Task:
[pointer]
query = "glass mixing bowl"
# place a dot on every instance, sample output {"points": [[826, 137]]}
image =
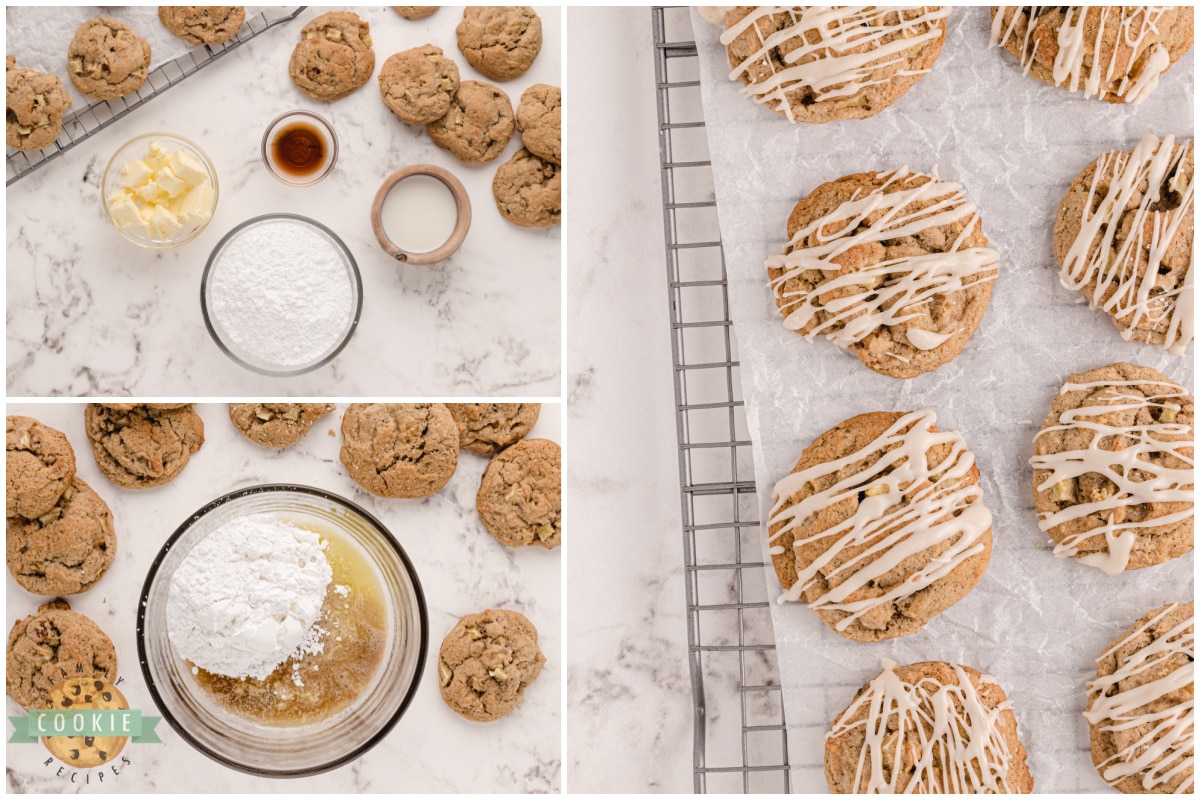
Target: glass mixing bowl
{"points": [[287, 751]]}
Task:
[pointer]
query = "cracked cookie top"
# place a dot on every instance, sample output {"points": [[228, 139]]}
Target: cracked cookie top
{"points": [[39, 466], [203, 24], [520, 496], [67, 549], [51, 646], [35, 105], [140, 446], [881, 525], [106, 59], [333, 57], [276, 424], [500, 41], [400, 449], [539, 119], [528, 191], [486, 662], [485, 428], [478, 125], [418, 85]]}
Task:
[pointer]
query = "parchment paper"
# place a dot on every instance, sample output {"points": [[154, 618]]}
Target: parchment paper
{"points": [[1035, 622], [38, 37]]}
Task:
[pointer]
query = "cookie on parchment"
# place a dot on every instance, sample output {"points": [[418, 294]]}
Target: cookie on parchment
{"points": [[142, 446], [500, 41], [276, 424], [106, 59], [1090, 500], [198, 25], [415, 12], [478, 125], [1116, 53], [1140, 706], [35, 104], [866, 267], [925, 728], [486, 662], [539, 119], [1124, 235], [881, 525], [400, 449], [51, 646], [418, 85], [67, 549], [334, 56], [528, 191], [520, 496], [86, 751], [485, 428], [821, 63], [39, 465]]}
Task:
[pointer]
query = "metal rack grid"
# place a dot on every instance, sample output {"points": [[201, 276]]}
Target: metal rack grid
{"points": [[79, 125], [730, 639]]}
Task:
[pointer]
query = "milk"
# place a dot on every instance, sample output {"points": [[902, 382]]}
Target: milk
{"points": [[419, 213]]}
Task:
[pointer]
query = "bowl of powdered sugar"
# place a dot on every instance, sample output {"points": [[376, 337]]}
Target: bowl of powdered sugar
{"points": [[281, 294], [282, 630]]}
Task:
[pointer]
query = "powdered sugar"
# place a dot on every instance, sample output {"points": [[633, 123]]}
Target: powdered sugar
{"points": [[280, 295], [248, 597]]}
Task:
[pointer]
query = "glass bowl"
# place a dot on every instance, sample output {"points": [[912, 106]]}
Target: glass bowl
{"points": [[135, 149], [286, 751], [315, 123], [244, 356]]}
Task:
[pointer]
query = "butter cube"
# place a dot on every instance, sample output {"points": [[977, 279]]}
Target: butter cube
{"points": [[148, 191], [158, 154], [171, 183], [188, 168], [124, 210], [135, 173], [197, 205], [162, 222]]}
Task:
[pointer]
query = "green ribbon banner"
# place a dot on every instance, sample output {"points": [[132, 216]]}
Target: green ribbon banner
{"points": [[85, 722]]}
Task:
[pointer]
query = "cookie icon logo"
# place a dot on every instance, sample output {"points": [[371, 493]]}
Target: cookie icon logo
{"points": [[84, 750]]}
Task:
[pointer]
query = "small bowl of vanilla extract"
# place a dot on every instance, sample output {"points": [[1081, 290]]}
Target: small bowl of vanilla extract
{"points": [[299, 148]]}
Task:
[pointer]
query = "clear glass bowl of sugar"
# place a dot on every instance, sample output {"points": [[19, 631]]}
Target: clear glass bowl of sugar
{"points": [[191, 702], [281, 294]]}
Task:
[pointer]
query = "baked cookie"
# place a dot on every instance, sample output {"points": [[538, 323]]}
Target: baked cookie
{"points": [[415, 12], [67, 549], [85, 752], [881, 525], [1140, 707], [539, 119], [528, 191], [892, 266], [927, 728], [500, 41], [334, 56], [1116, 53], [520, 496], [478, 125], [39, 465], [400, 449], [51, 646], [485, 428], [276, 424], [1091, 500], [106, 59], [141, 447], [131, 406], [418, 85], [1123, 239], [486, 662], [821, 64], [203, 24], [35, 106]]}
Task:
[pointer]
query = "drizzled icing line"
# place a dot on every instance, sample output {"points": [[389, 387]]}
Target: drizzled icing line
{"points": [[1160, 484], [959, 747], [1070, 69], [1167, 750], [944, 506], [830, 68], [892, 291], [1120, 289]]}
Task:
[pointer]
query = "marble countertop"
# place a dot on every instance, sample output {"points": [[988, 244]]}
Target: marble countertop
{"points": [[90, 314], [629, 705], [462, 568]]}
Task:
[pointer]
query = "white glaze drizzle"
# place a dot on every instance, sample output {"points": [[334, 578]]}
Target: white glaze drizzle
{"points": [[959, 747], [903, 283], [829, 69], [1168, 748], [1069, 69], [890, 532], [1160, 485], [1092, 256]]}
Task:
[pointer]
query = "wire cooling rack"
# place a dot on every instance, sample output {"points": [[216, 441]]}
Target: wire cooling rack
{"points": [[79, 125], [740, 739]]}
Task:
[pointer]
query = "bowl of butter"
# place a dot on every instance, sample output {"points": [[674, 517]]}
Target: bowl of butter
{"points": [[160, 190]]}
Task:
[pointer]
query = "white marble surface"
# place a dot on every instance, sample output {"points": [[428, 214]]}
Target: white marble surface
{"points": [[629, 703], [462, 568], [89, 314]]}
